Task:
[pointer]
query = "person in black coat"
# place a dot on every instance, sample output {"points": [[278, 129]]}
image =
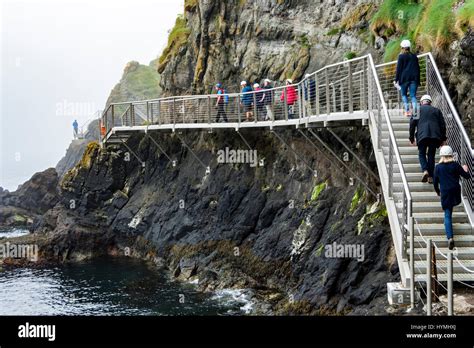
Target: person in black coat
{"points": [[429, 128], [446, 184], [407, 76], [310, 93]]}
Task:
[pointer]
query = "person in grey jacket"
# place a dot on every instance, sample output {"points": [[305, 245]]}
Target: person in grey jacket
{"points": [[429, 129]]}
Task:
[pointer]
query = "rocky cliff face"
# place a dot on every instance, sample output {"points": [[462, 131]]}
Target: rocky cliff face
{"points": [[252, 40], [270, 228], [234, 40], [32, 199]]}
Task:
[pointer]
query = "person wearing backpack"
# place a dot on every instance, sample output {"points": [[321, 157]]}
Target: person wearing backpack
{"points": [[260, 98], [289, 94], [268, 99], [247, 100], [220, 103], [446, 184], [309, 93]]}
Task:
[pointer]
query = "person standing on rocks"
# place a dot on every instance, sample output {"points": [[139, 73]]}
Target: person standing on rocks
{"points": [[220, 103], [247, 100], [408, 77], [430, 132], [446, 184], [75, 127], [268, 99], [290, 96]]}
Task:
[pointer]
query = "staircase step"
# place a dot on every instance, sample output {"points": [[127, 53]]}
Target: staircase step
{"points": [[408, 158], [400, 142], [415, 187], [397, 126], [442, 267], [463, 277], [462, 253], [426, 229], [431, 207], [438, 218]]}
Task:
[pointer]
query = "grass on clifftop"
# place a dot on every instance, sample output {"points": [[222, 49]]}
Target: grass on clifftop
{"points": [[432, 24], [176, 38]]}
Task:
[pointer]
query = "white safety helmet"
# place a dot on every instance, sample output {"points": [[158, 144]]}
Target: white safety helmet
{"points": [[290, 81], [267, 81], [243, 83], [426, 97], [307, 75], [446, 150], [256, 85], [405, 44]]}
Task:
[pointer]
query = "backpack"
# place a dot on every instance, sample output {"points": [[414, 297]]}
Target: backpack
{"points": [[225, 95]]}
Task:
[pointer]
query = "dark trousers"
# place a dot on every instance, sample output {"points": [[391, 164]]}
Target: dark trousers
{"points": [[426, 154], [221, 112]]}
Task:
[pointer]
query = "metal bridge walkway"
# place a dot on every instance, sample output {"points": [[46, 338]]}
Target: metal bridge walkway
{"points": [[351, 91]]}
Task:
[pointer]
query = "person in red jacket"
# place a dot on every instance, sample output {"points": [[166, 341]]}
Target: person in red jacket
{"points": [[289, 93]]}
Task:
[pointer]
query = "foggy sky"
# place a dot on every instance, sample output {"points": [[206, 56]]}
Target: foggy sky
{"points": [[59, 61]]}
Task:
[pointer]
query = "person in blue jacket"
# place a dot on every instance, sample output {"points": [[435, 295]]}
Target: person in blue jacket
{"points": [[247, 100], [408, 76], [446, 184], [75, 127]]}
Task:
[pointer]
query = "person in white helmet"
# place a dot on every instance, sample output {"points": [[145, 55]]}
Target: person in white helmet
{"points": [[429, 129], [446, 184], [408, 76], [259, 98]]}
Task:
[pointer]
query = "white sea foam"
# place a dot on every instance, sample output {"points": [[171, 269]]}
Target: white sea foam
{"points": [[14, 233], [242, 297]]}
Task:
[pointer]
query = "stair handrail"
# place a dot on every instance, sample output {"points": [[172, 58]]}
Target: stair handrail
{"points": [[408, 222]]}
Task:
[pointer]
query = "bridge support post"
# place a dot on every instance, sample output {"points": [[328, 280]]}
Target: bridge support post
{"points": [[354, 154], [342, 162], [328, 96], [133, 153], [450, 284], [350, 87], [159, 147], [207, 168], [315, 173]]}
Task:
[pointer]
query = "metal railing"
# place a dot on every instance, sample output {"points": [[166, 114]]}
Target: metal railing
{"points": [[432, 83], [399, 193], [336, 88]]}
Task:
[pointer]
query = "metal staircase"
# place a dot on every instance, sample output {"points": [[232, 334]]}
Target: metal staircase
{"points": [[351, 91]]}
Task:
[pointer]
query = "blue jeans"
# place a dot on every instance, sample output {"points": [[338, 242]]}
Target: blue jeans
{"points": [[448, 222], [427, 164], [412, 87]]}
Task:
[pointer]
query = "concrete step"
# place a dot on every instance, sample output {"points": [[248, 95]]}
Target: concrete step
{"points": [[409, 168], [442, 267], [396, 118], [411, 176], [427, 229], [399, 134], [438, 218], [400, 142], [408, 158], [463, 277], [415, 187], [430, 207], [461, 240], [462, 253], [423, 197], [397, 126]]}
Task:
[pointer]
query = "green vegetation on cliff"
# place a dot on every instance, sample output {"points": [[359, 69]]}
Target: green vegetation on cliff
{"points": [[432, 25], [138, 82], [177, 37]]}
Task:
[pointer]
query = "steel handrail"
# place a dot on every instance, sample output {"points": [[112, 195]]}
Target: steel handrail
{"points": [[445, 92]]}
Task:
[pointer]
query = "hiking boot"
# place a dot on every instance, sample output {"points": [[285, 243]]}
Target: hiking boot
{"points": [[425, 176], [450, 244], [430, 180]]}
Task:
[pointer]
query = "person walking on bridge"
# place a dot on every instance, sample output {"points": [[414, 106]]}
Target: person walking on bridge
{"points": [[220, 103], [309, 93], [446, 184], [268, 99], [75, 127], [290, 96], [260, 99], [408, 77], [429, 128], [247, 100]]}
